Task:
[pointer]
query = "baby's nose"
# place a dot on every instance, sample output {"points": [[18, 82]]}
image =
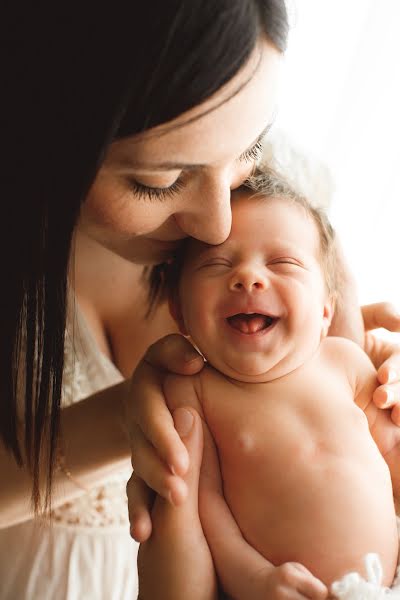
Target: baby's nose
{"points": [[248, 281]]}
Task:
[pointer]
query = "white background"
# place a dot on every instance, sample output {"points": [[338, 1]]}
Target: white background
{"points": [[341, 100]]}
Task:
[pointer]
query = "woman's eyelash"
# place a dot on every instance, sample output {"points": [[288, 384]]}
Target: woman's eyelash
{"points": [[153, 193], [253, 153]]}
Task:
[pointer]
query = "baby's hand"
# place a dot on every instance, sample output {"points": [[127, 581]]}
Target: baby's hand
{"points": [[289, 581]]}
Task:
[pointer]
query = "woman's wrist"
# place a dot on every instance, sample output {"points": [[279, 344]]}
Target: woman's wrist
{"points": [[95, 440]]}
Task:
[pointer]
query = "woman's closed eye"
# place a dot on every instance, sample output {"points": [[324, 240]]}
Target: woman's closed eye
{"points": [[146, 192]]}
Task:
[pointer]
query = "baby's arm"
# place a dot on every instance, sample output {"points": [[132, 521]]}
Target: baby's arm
{"points": [[242, 571], [385, 433]]}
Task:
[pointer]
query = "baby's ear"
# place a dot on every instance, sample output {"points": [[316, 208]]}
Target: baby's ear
{"points": [[327, 316], [174, 306]]}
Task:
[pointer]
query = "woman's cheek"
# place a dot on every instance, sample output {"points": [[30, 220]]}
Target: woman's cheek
{"points": [[122, 213]]}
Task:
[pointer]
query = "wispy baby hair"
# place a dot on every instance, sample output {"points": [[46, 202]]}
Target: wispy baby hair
{"points": [[270, 184]]}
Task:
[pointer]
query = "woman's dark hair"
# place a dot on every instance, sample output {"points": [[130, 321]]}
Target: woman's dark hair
{"points": [[77, 77]]}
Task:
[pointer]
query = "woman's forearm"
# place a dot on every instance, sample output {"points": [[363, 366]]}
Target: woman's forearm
{"points": [[175, 563], [94, 443]]}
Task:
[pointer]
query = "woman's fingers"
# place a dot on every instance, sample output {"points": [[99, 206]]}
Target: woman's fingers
{"points": [[159, 457], [381, 314], [140, 499], [189, 426], [149, 467], [387, 395], [395, 415], [147, 407], [175, 354], [150, 414]]}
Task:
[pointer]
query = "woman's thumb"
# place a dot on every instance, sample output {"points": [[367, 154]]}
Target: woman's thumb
{"points": [[189, 427]]}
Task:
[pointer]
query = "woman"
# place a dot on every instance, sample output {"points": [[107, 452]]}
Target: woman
{"points": [[126, 129]]}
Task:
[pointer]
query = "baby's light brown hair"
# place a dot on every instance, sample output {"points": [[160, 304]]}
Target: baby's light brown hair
{"points": [[268, 184]]}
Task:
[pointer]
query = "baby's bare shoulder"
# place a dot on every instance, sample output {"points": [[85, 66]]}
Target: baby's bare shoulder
{"points": [[341, 350], [347, 356]]}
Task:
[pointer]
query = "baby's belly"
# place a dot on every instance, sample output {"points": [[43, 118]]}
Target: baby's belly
{"points": [[321, 508]]}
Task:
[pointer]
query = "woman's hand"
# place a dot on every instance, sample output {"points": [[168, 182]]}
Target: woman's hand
{"points": [[385, 355], [175, 563], [160, 458]]}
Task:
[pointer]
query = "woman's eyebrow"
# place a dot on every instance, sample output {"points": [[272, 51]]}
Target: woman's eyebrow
{"points": [[174, 166]]}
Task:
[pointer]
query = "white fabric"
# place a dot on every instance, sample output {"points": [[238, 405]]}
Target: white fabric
{"points": [[87, 552], [354, 587]]}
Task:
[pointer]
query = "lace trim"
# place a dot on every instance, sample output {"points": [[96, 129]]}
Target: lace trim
{"points": [[86, 371], [103, 506]]}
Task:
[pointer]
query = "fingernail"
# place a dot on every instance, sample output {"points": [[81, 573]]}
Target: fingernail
{"points": [[183, 420], [191, 356], [179, 494], [392, 376], [389, 398]]}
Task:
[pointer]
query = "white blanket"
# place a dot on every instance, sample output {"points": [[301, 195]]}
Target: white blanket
{"points": [[355, 587]]}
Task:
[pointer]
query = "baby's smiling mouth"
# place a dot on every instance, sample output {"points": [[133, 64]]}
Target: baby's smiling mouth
{"points": [[251, 323]]}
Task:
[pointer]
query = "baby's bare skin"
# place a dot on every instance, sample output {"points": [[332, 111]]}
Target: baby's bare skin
{"points": [[302, 475], [308, 464]]}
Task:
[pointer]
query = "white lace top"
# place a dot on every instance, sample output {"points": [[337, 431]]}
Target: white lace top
{"points": [[86, 553], [87, 370]]}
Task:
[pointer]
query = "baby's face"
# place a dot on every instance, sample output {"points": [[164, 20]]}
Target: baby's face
{"points": [[256, 305]]}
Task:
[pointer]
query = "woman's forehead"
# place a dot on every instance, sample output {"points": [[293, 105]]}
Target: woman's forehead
{"points": [[218, 133]]}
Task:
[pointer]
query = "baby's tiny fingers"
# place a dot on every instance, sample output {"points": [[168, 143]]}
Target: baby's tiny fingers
{"points": [[308, 585], [313, 588]]}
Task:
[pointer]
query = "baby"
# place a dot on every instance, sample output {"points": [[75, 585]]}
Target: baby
{"points": [[307, 461]]}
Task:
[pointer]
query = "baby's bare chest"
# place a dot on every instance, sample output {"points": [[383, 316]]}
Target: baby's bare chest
{"points": [[278, 423]]}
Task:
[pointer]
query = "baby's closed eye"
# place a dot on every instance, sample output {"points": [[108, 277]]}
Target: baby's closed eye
{"points": [[216, 263], [285, 265]]}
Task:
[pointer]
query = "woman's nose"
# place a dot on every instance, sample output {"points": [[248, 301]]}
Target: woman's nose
{"points": [[249, 279], [207, 215]]}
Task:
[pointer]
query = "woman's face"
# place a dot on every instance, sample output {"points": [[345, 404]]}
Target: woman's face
{"points": [[176, 179]]}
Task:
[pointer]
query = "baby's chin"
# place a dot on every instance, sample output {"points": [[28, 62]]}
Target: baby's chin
{"points": [[248, 370]]}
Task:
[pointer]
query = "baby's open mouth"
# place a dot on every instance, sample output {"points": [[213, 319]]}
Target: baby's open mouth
{"points": [[250, 323]]}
